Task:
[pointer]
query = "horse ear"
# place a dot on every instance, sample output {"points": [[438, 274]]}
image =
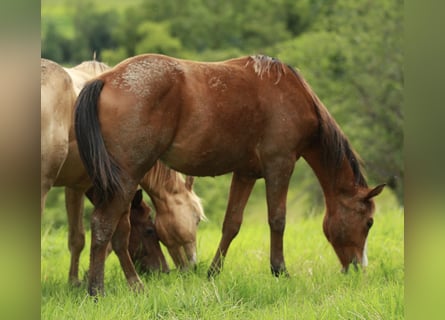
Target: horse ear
{"points": [[137, 199], [375, 192], [189, 182]]}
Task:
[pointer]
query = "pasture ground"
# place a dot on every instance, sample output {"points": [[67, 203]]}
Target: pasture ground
{"points": [[245, 289]]}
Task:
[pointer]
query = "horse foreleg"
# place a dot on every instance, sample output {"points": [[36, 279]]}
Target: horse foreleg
{"points": [[240, 190], [277, 184], [76, 232], [120, 242]]}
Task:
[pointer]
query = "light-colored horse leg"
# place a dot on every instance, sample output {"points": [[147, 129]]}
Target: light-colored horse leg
{"points": [[44, 189], [74, 200], [240, 190], [50, 168]]}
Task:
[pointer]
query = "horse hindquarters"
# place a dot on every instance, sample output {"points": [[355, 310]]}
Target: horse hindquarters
{"points": [[110, 219]]}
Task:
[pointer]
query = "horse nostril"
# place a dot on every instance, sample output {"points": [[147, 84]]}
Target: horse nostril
{"points": [[370, 223], [149, 231]]}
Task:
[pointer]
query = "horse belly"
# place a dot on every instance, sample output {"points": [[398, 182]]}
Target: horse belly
{"points": [[212, 160], [73, 174]]}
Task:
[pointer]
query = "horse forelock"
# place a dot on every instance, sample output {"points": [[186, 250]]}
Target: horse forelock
{"points": [[264, 64], [335, 145]]}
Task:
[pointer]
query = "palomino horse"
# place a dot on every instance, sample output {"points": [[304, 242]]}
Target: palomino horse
{"points": [[253, 116], [173, 197], [56, 100]]}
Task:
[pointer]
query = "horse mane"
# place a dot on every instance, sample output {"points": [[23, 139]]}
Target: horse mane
{"points": [[160, 174], [265, 64], [92, 67], [170, 179], [335, 145]]}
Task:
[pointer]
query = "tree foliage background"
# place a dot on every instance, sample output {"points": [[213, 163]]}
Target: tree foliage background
{"points": [[350, 51]]}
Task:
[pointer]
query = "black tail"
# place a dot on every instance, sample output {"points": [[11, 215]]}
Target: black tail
{"points": [[102, 169]]}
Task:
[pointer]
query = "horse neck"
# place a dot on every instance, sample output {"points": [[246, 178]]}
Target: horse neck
{"points": [[334, 182]]}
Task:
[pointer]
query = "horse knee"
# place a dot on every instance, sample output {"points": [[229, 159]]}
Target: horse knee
{"points": [[231, 229], [277, 224], [77, 241]]}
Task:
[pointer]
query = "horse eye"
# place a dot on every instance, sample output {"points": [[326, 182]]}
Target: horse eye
{"points": [[149, 231], [370, 223]]}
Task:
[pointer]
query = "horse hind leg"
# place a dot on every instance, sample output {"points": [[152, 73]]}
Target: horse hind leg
{"points": [[240, 190], [107, 225], [76, 233]]}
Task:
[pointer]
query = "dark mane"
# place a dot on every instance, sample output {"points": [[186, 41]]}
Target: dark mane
{"points": [[334, 144]]}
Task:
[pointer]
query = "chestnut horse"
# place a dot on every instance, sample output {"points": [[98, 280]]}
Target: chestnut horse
{"points": [[175, 202], [253, 116], [178, 209]]}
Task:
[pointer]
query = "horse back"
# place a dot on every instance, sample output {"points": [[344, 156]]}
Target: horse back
{"points": [[192, 113]]}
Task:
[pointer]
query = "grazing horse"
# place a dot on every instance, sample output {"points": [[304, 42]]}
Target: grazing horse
{"points": [[253, 116], [172, 196], [143, 246]]}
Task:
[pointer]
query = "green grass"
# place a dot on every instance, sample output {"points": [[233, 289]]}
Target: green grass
{"points": [[245, 289]]}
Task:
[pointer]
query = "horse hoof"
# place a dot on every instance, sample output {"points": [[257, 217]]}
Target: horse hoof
{"points": [[95, 292], [212, 273], [279, 272]]}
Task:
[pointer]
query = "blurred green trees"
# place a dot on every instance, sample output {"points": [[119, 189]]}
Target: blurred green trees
{"points": [[349, 51]]}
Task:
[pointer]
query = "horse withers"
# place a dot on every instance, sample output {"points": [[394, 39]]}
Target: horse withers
{"points": [[254, 116]]}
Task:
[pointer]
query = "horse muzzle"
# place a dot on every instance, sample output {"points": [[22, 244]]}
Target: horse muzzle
{"points": [[358, 258]]}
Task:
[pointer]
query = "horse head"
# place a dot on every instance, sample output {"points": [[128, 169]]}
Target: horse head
{"points": [[346, 225]]}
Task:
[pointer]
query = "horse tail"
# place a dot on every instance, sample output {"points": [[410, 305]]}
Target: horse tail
{"points": [[102, 169]]}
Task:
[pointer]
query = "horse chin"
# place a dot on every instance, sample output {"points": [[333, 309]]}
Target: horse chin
{"points": [[355, 262]]}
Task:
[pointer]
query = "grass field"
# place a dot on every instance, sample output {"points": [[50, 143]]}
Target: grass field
{"points": [[245, 289]]}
